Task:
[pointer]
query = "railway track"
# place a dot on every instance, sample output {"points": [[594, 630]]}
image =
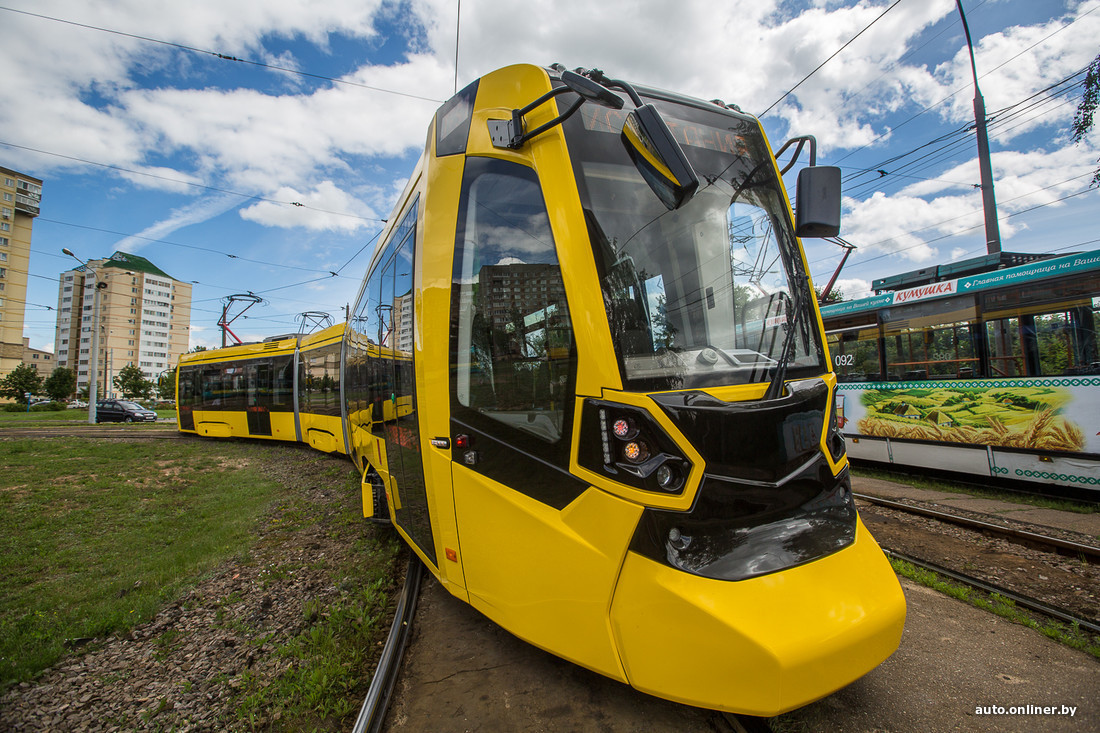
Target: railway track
{"points": [[1020, 600], [1021, 536], [374, 708], [373, 711], [1018, 535]]}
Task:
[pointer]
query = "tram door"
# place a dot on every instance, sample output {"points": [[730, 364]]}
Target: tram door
{"points": [[404, 459], [258, 406]]}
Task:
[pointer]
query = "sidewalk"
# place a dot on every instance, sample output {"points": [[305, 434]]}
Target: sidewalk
{"points": [[1088, 524]]}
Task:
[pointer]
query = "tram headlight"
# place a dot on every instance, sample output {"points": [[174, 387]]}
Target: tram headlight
{"points": [[668, 478], [627, 444]]}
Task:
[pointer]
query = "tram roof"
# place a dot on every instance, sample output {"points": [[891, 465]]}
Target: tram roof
{"points": [[1073, 264], [972, 266]]}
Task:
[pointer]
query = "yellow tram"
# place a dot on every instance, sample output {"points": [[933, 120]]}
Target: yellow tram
{"points": [[585, 379]]}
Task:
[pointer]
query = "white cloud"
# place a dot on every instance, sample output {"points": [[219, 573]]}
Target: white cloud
{"points": [[184, 216], [326, 207], [901, 225], [853, 288]]}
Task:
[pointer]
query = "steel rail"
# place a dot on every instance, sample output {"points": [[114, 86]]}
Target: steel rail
{"points": [[1022, 601], [1076, 548], [373, 711]]}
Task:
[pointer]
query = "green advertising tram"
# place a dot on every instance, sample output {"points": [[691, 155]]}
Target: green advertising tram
{"points": [[984, 368]]}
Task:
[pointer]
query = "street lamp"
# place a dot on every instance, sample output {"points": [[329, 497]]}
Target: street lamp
{"points": [[989, 201], [93, 367]]}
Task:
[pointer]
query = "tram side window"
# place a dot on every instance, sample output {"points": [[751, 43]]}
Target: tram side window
{"points": [[512, 345], [1045, 344], [855, 354], [321, 383], [945, 351], [283, 390], [937, 339], [188, 381]]}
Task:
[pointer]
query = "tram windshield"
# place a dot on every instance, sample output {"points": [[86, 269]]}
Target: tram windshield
{"points": [[706, 294]]}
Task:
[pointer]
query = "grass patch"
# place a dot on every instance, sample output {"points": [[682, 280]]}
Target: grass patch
{"points": [[329, 661], [328, 665], [1069, 634], [921, 482], [95, 536]]}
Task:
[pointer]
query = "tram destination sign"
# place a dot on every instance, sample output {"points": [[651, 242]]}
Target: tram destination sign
{"points": [[1057, 267]]}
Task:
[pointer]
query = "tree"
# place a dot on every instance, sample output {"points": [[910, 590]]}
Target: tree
{"points": [[132, 383], [1086, 109], [60, 384], [834, 296], [19, 382]]}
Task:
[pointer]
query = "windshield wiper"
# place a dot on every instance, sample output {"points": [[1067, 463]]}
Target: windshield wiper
{"points": [[775, 387]]}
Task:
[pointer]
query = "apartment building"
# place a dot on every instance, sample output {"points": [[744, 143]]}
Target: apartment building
{"points": [[144, 319], [20, 198]]}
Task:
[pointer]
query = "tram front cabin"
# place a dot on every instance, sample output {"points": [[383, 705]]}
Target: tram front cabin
{"points": [[586, 370]]}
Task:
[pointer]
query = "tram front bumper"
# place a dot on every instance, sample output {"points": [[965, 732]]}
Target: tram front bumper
{"points": [[760, 646]]}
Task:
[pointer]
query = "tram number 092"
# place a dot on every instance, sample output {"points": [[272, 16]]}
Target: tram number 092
{"points": [[842, 360]]}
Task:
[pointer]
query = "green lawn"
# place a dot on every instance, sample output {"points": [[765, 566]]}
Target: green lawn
{"points": [[95, 536]]}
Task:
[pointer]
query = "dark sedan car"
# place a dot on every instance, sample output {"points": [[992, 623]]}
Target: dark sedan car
{"points": [[122, 411]]}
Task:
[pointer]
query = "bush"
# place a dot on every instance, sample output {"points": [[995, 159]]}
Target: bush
{"points": [[48, 407], [15, 407]]}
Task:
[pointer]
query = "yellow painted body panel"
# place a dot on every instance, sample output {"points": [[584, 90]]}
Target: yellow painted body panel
{"points": [[243, 351], [442, 180], [759, 646], [234, 424], [546, 576], [325, 441]]}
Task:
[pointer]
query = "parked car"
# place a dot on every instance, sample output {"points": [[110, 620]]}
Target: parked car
{"points": [[77, 404], [122, 411]]}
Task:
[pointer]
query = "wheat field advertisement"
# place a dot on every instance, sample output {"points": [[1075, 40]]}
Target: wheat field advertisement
{"points": [[1046, 414]]}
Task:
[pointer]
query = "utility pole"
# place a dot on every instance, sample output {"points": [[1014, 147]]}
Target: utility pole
{"points": [[989, 202], [93, 356]]}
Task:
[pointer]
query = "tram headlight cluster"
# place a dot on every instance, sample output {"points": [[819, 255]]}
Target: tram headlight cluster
{"points": [[634, 449]]}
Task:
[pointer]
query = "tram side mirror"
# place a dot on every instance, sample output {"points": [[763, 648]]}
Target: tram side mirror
{"points": [[591, 91], [658, 157], [817, 202]]}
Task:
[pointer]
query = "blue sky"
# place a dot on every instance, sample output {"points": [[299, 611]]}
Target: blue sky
{"points": [[149, 143]]}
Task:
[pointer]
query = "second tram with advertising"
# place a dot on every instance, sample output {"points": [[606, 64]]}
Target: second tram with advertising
{"points": [[586, 381], [984, 368]]}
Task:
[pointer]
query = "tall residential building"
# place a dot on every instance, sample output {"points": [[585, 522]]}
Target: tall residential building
{"points": [[144, 319], [20, 197]]}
